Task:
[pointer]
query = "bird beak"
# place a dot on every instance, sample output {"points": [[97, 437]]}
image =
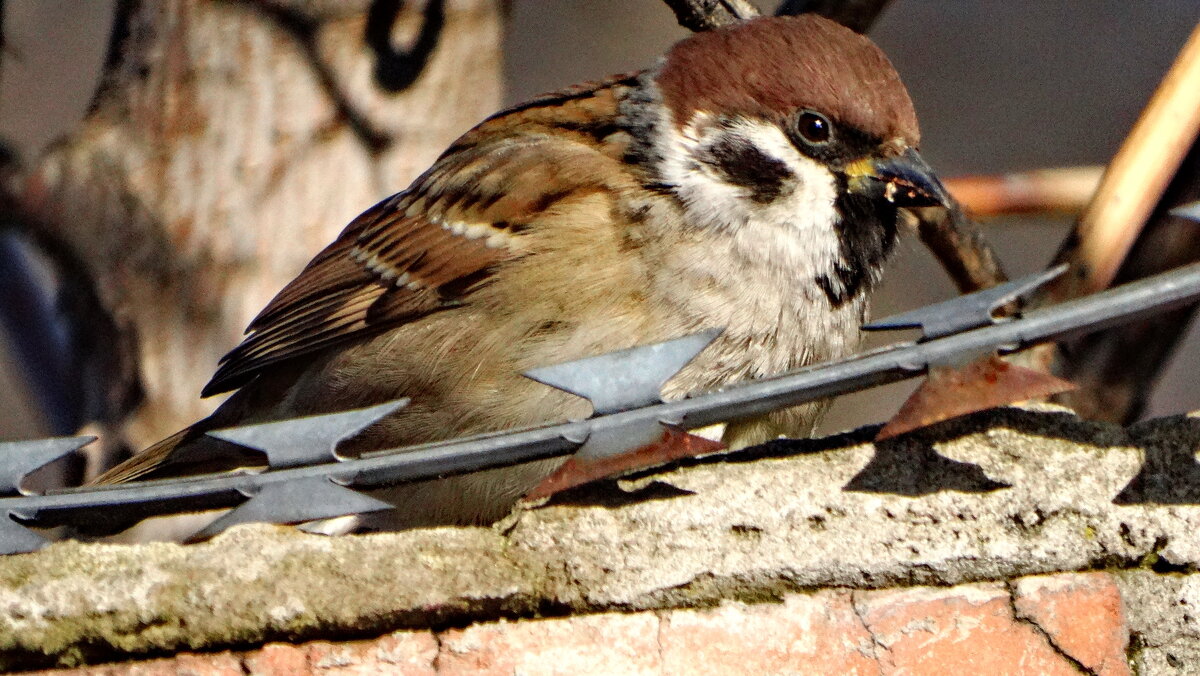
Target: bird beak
{"points": [[904, 180]]}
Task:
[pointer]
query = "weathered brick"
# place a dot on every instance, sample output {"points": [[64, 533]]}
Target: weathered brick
{"points": [[1052, 624], [1082, 614], [183, 664], [592, 644], [403, 653], [278, 659], [960, 630], [807, 633]]}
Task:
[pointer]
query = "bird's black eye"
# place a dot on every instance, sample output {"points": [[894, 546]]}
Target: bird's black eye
{"points": [[814, 127]]}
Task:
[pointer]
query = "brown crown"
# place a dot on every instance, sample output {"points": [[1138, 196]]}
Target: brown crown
{"points": [[769, 67]]}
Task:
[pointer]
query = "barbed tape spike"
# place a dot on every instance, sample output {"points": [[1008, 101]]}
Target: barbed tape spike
{"points": [[625, 379], [309, 440], [610, 441], [964, 313], [17, 539], [614, 382], [1188, 211], [19, 458], [297, 501]]}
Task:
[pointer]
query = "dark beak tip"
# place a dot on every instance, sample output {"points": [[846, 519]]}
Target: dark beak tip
{"points": [[903, 180], [911, 182], [908, 196]]}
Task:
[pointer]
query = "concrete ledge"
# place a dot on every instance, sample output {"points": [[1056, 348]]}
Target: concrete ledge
{"points": [[774, 522]]}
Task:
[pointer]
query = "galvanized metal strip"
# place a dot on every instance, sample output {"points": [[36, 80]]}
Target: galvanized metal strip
{"points": [[964, 312]]}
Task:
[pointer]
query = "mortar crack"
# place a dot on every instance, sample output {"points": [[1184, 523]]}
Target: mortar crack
{"points": [[241, 662], [436, 663], [1041, 631], [658, 641], [877, 645]]}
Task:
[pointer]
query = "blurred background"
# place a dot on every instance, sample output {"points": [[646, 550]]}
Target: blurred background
{"points": [[998, 87]]}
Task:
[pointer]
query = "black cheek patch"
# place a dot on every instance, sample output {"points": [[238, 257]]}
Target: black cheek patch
{"points": [[744, 165]]}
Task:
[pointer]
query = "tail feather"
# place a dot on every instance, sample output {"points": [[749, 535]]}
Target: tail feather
{"points": [[145, 462], [187, 452]]}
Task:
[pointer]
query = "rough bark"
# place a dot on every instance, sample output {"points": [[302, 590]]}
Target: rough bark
{"points": [[230, 142]]}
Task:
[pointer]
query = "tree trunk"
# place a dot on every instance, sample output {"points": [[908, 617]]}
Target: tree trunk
{"points": [[230, 142]]}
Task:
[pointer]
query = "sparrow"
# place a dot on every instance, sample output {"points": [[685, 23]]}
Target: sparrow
{"points": [[750, 181]]}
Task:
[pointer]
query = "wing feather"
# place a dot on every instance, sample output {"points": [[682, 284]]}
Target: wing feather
{"points": [[427, 248]]}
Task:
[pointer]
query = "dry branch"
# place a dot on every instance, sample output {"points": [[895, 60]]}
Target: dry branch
{"points": [[1065, 190], [858, 15], [703, 15], [1115, 368], [1135, 180], [1116, 239], [960, 248]]}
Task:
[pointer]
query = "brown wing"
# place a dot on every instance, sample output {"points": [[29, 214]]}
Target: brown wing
{"points": [[425, 249]]}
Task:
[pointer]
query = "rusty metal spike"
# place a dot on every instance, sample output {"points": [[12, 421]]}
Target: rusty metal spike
{"points": [[615, 451], [983, 384]]}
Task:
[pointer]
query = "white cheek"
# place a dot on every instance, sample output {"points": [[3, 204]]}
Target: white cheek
{"points": [[796, 231]]}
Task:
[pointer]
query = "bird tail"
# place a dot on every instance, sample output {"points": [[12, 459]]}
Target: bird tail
{"points": [[188, 452], [145, 462]]}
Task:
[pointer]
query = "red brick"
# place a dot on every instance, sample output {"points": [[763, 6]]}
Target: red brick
{"points": [[579, 646], [404, 653], [183, 664], [806, 634], [278, 659], [1082, 614], [960, 630]]}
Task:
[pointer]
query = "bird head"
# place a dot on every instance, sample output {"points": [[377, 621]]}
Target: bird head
{"points": [[794, 131]]}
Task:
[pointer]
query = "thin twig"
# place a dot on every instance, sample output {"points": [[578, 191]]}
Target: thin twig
{"points": [[1066, 190], [703, 15], [857, 15], [958, 245]]}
